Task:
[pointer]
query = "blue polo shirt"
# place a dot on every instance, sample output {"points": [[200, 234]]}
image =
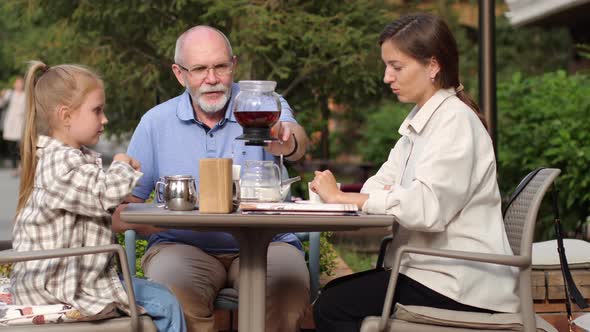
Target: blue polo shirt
{"points": [[170, 141]]}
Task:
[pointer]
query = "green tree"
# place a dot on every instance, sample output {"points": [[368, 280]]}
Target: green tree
{"points": [[584, 50], [314, 50], [543, 123], [381, 131]]}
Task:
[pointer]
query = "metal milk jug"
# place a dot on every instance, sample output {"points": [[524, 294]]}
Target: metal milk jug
{"points": [[177, 192]]}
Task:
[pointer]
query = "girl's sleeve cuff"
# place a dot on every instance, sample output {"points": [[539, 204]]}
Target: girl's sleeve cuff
{"points": [[128, 170]]}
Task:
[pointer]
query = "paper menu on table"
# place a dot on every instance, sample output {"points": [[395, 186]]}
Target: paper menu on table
{"points": [[293, 208]]}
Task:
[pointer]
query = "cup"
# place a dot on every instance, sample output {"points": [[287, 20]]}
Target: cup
{"points": [[315, 198], [177, 192], [215, 185]]}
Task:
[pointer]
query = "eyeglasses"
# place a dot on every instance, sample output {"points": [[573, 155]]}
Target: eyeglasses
{"points": [[200, 72]]}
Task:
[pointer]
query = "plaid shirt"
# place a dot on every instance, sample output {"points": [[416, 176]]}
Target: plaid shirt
{"points": [[68, 208]]}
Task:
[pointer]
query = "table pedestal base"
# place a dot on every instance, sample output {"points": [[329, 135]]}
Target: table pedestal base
{"points": [[252, 299]]}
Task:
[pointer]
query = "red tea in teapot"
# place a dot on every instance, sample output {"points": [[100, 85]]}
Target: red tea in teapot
{"points": [[257, 108], [257, 119]]}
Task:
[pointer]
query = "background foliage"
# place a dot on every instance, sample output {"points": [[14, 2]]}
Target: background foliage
{"points": [[315, 50], [318, 52], [381, 131], [544, 123]]}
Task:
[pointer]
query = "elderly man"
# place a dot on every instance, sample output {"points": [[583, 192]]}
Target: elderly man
{"points": [[170, 139]]}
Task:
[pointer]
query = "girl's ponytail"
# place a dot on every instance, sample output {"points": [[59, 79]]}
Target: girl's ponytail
{"points": [[29, 140]]}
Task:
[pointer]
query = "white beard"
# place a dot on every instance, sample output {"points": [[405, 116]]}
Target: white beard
{"points": [[206, 106]]}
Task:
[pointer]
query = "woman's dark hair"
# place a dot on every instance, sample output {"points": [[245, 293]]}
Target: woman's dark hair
{"points": [[424, 36]]}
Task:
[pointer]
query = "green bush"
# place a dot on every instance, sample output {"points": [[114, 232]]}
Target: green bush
{"points": [[140, 248], [356, 260], [327, 253], [5, 270], [381, 131], [584, 50], [543, 121]]}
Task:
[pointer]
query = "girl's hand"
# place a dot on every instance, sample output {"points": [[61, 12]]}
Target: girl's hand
{"points": [[119, 226], [324, 184], [126, 159]]}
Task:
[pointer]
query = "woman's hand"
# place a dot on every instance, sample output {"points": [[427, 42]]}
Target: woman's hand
{"points": [[324, 184]]}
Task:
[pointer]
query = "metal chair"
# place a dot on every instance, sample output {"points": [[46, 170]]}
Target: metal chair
{"points": [[227, 298], [519, 221], [121, 324]]}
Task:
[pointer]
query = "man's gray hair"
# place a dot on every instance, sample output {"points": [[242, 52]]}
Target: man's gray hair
{"points": [[182, 37]]}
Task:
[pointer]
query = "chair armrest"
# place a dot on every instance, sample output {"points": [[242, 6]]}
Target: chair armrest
{"points": [[385, 243], [314, 265], [510, 260], [302, 236], [313, 261], [130, 237], [11, 256]]}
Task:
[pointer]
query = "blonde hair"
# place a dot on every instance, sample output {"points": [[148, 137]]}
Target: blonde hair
{"points": [[46, 89]]}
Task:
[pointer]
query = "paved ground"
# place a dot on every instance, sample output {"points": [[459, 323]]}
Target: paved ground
{"points": [[8, 199]]}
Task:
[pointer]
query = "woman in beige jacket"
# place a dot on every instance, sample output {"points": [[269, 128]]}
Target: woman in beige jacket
{"points": [[439, 183]]}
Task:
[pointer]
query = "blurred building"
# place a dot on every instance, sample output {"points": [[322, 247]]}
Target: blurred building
{"points": [[573, 14]]}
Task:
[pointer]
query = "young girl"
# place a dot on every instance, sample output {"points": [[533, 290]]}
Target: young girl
{"points": [[439, 183], [65, 197]]}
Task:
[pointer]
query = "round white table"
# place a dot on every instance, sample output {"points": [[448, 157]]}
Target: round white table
{"points": [[254, 232]]}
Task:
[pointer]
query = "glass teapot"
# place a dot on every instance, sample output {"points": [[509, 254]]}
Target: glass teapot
{"points": [[257, 108], [260, 181]]}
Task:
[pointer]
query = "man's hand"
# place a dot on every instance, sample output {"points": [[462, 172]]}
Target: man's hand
{"points": [[292, 141], [286, 141]]}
